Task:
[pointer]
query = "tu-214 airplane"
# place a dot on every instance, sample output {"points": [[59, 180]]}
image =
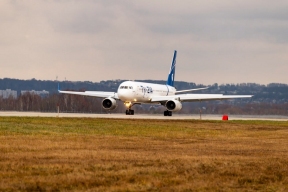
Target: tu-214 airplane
{"points": [[132, 93]]}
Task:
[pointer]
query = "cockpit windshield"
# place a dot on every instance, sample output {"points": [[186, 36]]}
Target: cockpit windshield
{"points": [[126, 87]]}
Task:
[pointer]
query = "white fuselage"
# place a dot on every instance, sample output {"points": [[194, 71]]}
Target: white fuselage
{"points": [[139, 92]]}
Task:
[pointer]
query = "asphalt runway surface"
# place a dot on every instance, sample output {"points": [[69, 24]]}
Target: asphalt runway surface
{"points": [[144, 116]]}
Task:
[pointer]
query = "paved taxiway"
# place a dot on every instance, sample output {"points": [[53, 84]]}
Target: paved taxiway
{"points": [[144, 116]]}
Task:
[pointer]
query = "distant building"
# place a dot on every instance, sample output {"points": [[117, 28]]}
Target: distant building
{"points": [[7, 93], [40, 93]]}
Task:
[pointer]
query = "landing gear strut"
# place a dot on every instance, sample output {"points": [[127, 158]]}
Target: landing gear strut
{"points": [[129, 112], [167, 113], [128, 105]]}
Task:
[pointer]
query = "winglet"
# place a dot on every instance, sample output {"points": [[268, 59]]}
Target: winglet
{"points": [[171, 75]]}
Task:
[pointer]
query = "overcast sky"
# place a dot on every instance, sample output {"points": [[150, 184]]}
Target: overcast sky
{"points": [[219, 41]]}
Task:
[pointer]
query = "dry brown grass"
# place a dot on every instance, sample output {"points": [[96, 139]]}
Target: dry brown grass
{"points": [[50, 154]]}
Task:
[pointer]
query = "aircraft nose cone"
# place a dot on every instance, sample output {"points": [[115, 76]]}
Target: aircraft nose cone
{"points": [[121, 94], [125, 95]]}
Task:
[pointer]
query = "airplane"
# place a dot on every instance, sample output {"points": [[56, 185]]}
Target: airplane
{"points": [[133, 93]]}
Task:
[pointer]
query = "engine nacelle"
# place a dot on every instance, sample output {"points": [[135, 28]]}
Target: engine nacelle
{"points": [[109, 103], [173, 105]]}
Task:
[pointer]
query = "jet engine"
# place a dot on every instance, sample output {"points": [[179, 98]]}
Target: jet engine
{"points": [[109, 103], [173, 105]]}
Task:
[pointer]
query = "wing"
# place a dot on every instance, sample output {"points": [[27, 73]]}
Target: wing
{"points": [[197, 97], [100, 94], [188, 90]]}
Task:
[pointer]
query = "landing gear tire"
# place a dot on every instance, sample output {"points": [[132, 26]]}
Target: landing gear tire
{"points": [[129, 112], [167, 113]]}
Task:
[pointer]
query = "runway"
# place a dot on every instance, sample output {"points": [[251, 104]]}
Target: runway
{"points": [[143, 116]]}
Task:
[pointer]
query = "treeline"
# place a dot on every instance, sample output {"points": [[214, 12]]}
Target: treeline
{"points": [[267, 99], [51, 86], [66, 103], [271, 93], [82, 104], [244, 109]]}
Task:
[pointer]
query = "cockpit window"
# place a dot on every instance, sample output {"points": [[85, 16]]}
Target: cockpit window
{"points": [[126, 87]]}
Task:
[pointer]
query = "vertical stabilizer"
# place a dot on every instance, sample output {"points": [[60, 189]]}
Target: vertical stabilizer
{"points": [[171, 75]]}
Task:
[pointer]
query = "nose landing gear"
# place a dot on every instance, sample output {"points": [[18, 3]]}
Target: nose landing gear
{"points": [[129, 111]]}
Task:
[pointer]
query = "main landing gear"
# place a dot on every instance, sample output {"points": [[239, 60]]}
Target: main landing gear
{"points": [[167, 113], [129, 112]]}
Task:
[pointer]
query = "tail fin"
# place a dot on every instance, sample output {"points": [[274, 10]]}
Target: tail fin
{"points": [[171, 75]]}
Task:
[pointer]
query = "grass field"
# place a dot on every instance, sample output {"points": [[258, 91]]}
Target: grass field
{"points": [[86, 154]]}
